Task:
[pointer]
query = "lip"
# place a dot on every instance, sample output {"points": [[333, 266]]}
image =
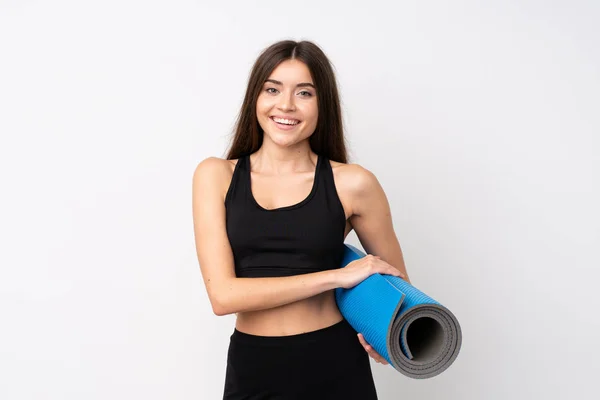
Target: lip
{"points": [[284, 127], [284, 117]]}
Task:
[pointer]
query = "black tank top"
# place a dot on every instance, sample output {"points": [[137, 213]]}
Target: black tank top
{"points": [[297, 239]]}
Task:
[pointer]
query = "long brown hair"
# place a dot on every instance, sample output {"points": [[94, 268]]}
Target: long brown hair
{"points": [[328, 137]]}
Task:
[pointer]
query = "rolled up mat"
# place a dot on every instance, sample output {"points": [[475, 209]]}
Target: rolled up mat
{"points": [[417, 335]]}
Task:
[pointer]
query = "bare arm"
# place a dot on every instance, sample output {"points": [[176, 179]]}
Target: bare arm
{"points": [[227, 293], [372, 218]]}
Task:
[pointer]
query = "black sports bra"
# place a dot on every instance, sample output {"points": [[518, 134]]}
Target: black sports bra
{"points": [[297, 239]]}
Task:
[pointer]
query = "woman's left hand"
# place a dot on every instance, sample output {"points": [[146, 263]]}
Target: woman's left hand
{"points": [[374, 355]]}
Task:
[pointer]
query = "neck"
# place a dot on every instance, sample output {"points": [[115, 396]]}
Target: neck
{"points": [[279, 161]]}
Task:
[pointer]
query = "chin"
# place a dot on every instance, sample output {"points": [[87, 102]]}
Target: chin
{"points": [[281, 139], [283, 142]]}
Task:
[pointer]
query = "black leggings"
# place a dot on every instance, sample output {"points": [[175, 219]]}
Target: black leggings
{"points": [[328, 363]]}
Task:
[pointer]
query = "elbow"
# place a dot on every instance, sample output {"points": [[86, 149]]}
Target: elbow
{"points": [[219, 311], [222, 299], [217, 300], [220, 307]]}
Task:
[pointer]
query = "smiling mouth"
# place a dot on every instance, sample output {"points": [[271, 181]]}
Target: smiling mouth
{"points": [[284, 121]]}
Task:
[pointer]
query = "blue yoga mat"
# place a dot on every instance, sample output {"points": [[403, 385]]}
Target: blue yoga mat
{"points": [[417, 335]]}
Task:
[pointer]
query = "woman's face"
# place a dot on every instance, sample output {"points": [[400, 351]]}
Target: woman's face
{"points": [[287, 107]]}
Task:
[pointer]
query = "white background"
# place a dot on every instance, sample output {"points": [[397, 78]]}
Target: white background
{"points": [[480, 119]]}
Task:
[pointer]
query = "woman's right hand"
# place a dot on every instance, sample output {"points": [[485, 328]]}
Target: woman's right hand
{"points": [[359, 270]]}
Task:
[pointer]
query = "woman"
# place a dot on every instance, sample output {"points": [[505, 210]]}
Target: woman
{"points": [[270, 223]]}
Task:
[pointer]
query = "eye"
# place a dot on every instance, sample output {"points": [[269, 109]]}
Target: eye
{"points": [[305, 93], [271, 90]]}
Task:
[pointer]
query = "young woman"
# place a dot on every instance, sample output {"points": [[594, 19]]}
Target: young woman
{"points": [[270, 222]]}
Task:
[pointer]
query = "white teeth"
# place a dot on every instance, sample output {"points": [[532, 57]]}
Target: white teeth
{"points": [[285, 121]]}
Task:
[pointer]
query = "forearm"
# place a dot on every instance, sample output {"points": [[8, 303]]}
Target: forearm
{"points": [[253, 294]]}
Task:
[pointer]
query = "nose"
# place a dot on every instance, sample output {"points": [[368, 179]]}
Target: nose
{"points": [[286, 103]]}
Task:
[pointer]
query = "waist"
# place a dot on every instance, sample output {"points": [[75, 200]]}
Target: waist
{"points": [[329, 334], [295, 318]]}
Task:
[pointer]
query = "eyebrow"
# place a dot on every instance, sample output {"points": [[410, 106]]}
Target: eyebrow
{"points": [[303, 84]]}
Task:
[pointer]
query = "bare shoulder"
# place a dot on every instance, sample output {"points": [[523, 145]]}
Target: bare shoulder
{"points": [[215, 165], [353, 179], [356, 187], [214, 172]]}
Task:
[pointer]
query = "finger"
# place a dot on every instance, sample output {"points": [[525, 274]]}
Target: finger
{"points": [[368, 348], [395, 271], [371, 351], [378, 358], [375, 356], [361, 339], [391, 270], [383, 265], [401, 275]]}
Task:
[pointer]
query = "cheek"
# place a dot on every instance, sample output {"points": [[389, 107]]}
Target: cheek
{"points": [[308, 109], [259, 110], [313, 114], [262, 105]]}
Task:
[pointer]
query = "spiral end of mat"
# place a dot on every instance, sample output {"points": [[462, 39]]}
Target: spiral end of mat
{"points": [[424, 341]]}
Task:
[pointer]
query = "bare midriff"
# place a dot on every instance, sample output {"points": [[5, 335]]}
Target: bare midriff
{"points": [[302, 316]]}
